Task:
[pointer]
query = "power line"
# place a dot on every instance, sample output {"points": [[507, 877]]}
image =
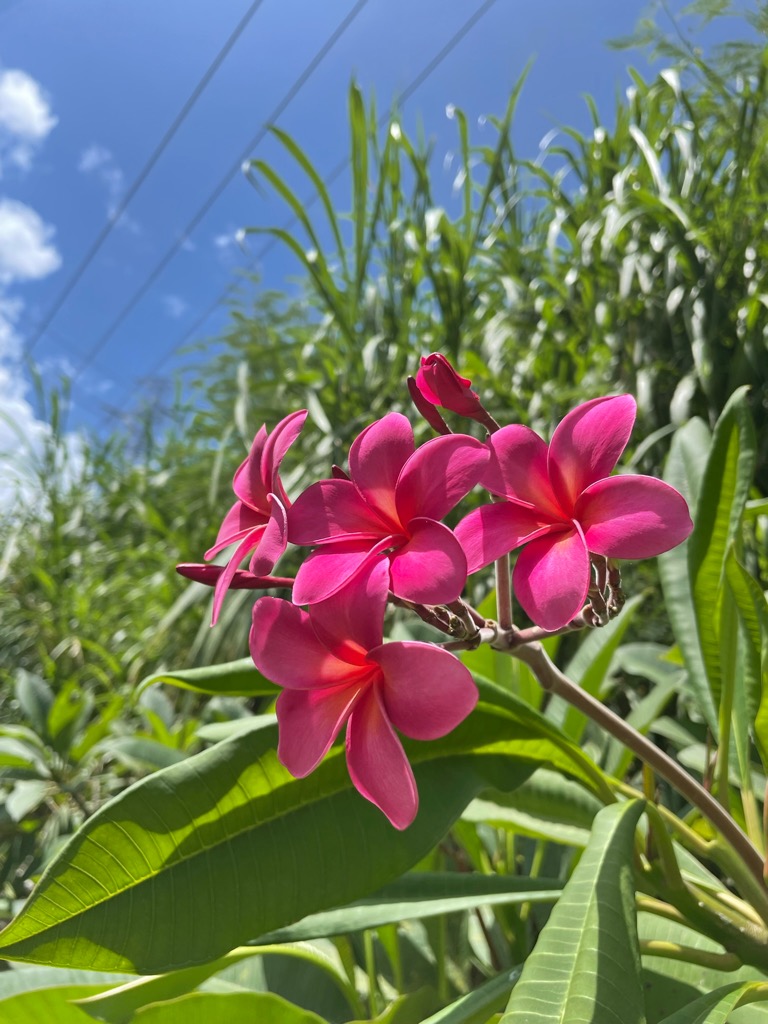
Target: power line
{"points": [[219, 189], [402, 98], [142, 176]]}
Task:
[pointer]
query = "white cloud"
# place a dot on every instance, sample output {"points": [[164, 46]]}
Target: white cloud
{"points": [[25, 118], [175, 306], [100, 162], [22, 433], [26, 252], [230, 238]]}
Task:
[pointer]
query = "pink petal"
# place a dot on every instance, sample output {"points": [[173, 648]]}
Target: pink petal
{"points": [[493, 530], [247, 544], [238, 523], [248, 484], [376, 458], [551, 578], [517, 469], [438, 475], [350, 622], [377, 762], [278, 443], [431, 567], [331, 510], [587, 444], [273, 542], [633, 517], [426, 691], [286, 649], [309, 723], [328, 569]]}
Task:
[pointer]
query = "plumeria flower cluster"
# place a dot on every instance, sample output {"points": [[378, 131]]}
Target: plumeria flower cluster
{"points": [[378, 536]]}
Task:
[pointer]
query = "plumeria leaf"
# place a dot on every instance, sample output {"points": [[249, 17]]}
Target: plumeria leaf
{"points": [[420, 894], [220, 825], [685, 471], [477, 1006], [118, 1005], [724, 491], [238, 678], [586, 963]]}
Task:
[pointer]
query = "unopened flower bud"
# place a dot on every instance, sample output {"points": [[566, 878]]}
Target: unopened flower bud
{"points": [[439, 384]]}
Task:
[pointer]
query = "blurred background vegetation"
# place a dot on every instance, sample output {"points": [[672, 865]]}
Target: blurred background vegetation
{"points": [[633, 258]]}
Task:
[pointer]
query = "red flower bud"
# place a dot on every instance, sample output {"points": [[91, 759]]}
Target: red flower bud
{"points": [[439, 384]]}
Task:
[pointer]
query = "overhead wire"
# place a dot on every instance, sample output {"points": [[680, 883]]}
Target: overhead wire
{"points": [[114, 218], [335, 172], [155, 273]]}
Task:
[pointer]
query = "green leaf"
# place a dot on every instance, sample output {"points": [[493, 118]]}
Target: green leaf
{"points": [[118, 1005], [685, 471], [36, 699], [724, 492], [420, 895], [586, 964], [546, 806], [227, 1008], [257, 848], [476, 1007], [38, 995], [238, 678], [715, 1007]]}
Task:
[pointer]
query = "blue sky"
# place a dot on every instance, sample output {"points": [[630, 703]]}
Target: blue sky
{"points": [[88, 87]]}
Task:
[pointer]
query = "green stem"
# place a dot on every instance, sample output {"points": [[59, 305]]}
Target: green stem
{"points": [[689, 955]]}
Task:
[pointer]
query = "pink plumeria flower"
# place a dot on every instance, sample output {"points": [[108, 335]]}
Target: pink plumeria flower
{"points": [[388, 510], [441, 385], [562, 504], [258, 521], [335, 669]]}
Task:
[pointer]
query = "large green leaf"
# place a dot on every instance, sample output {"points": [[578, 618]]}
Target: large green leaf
{"points": [[226, 845], [723, 495], [585, 966], [685, 470]]}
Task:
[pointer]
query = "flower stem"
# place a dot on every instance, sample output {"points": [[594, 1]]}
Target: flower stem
{"points": [[552, 679], [503, 592], [689, 955]]}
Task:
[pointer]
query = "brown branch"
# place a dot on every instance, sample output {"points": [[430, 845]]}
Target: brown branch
{"points": [[553, 680]]}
